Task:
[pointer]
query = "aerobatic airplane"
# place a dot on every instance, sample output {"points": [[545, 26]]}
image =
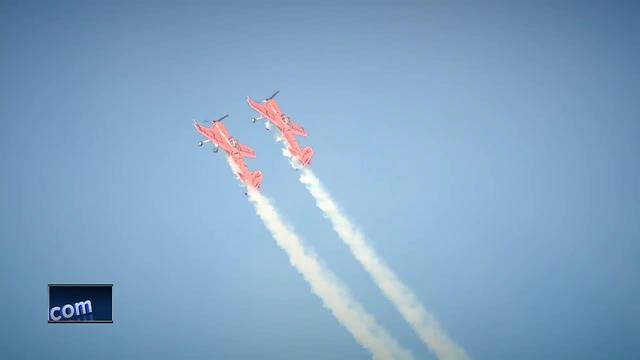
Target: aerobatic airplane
{"points": [[218, 135], [270, 110]]}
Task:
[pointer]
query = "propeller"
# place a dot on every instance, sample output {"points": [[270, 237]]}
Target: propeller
{"points": [[222, 118], [272, 96]]}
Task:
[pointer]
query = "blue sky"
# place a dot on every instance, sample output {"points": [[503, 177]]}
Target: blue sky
{"points": [[489, 152]]}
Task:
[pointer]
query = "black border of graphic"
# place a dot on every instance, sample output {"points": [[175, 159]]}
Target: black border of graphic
{"points": [[79, 321]]}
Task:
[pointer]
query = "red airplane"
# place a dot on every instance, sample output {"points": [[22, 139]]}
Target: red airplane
{"points": [[271, 111], [219, 137]]}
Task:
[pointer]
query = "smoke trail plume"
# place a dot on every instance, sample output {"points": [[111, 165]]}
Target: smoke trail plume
{"points": [[335, 296], [425, 325], [362, 326]]}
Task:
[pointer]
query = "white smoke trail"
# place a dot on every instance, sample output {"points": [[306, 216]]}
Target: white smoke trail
{"points": [[335, 296], [425, 325]]}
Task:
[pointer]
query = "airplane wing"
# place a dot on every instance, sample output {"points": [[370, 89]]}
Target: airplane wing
{"points": [[257, 107], [246, 151], [297, 129], [205, 131]]}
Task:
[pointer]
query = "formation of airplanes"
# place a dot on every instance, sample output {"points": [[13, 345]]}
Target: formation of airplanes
{"points": [[269, 110]]}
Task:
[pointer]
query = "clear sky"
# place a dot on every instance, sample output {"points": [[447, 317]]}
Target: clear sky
{"points": [[489, 152]]}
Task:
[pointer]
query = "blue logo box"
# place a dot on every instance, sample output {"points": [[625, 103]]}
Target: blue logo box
{"points": [[80, 303]]}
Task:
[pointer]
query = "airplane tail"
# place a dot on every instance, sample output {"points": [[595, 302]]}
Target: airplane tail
{"points": [[255, 179], [305, 156]]}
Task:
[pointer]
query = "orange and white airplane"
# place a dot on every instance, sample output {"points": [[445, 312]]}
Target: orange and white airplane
{"points": [[218, 135], [270, 110]]}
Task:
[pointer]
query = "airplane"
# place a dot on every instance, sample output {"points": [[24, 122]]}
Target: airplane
{"points": [[270, 110], [218, 135]]}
